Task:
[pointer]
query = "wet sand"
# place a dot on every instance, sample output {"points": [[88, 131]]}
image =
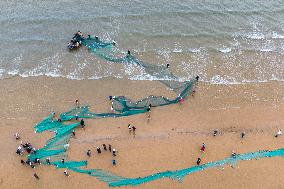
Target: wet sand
{"points": [[170, 141]]}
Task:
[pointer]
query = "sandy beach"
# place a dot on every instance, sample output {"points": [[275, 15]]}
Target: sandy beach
{"points": [[170, 141]]}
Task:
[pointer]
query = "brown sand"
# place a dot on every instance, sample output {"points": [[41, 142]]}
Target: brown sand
{"points": [[170, 141]]}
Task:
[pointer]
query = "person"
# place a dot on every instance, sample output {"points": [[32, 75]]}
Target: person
{"points": [[243, 134], [149, 108], [63, 161], [148, 117], [99, 150], [168, 65], [36, 176], [234, 154], [77, 44], [59, 120], [89, 153], [53, 114], [37, 160], [202, 147], [197, 78], [215, 132], [113, 162], [17, 136], [134, 129], [66, 173], [109, 148], [129, 128], [110, 98], [89, 36], [79, 33], [82, 123], [47, 160], [113, 152], [114, 42], [105, 147], [66, 146], [23, 162], [97, 38], [77, 102], [181, 100], [128, 52], [19, 150], [31, 164], [198, 161], [73, 132], [76, 117], [278, 133]]}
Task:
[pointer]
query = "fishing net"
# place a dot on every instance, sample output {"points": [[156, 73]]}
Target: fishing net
{"points": [[107, 51], [63, 128]]}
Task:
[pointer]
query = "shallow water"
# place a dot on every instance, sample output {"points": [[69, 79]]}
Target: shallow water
{"points": [[222, 41]]}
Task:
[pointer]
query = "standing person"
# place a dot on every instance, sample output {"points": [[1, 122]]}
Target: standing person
{"points": [[149, 108], [113, 162], [63, 161], [73, 132], [113, 152], [66, 173], [19, 150], [234, 154], [202, 149], [47, 160], [168, 65], [77, 102], [278, 133], [104, 146], [198, 161], [17, 136], [197, 78], [129, 128], [82, 123], [109, 148], [148, 118], [243, 134], [215, 132], [89, 153], [134, 129], [99, 150], [23, 162]]}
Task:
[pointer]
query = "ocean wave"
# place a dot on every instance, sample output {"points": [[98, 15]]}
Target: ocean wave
{"points": [[225, 50]]}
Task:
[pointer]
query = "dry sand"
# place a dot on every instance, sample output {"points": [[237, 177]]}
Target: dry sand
{"points": [[170, 141]]}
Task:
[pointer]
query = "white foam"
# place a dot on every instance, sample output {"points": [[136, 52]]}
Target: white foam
{"points": [[194, 50], [177, 50], [255, 35], [225, 50], [277, 36], [223, 80]]}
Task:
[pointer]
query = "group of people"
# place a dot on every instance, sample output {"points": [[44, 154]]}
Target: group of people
{"points": [[75, 43], [25, 147], [99, 151]]}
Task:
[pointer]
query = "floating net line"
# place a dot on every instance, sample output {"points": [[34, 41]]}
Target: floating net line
{"points": [[106, 51]]}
